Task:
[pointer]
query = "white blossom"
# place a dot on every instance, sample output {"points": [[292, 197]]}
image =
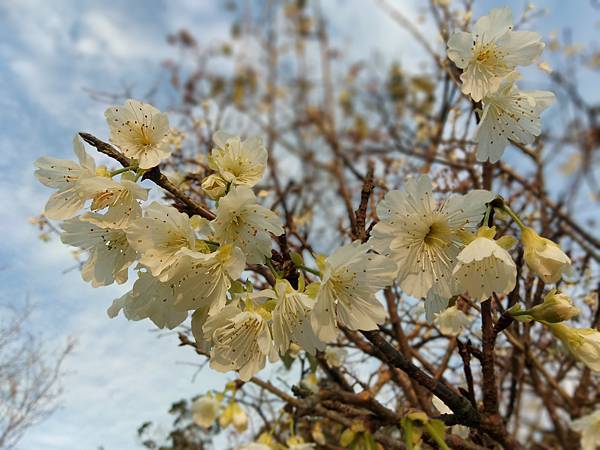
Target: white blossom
{"points": [[491, 51], [243, 222], [205, 410], [120, 199], [484, 267], [291, 319], [65, 176], [140, 131], [203, 279], [509, 114], [350, 278], [240, 338], [159, 236], [241, 163], [452, 321], [589, 427], [150, 299], [543, 256], [109, 252], [423, 236], [582, 343]]}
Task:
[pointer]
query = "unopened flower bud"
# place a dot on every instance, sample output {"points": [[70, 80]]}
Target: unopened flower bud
{"points": [[234, 415], [205, 410], [543, 256], [582, 343], [557, 307], [214, 186]]}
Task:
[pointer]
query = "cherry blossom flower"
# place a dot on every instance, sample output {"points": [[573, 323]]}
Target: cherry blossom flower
{"points": [[149, 299], [452, 321], [119, 199], [350, 278], [205, 410], [241, 163], [243, 222], [109, 252], [485, 267], [234, 415], [140, 131], [159, 236], [65, 176], [291, 319], [423, 236], [509, 114], [241, 339], [203, 279], [491, 51], [582, 343]]}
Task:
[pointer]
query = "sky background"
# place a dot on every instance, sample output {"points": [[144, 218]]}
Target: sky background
{"points": [[122, 374]]}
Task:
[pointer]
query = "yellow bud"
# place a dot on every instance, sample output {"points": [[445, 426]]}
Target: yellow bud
{"points": [[544, 257], [557, 307], [214, 186], [582, 343]]}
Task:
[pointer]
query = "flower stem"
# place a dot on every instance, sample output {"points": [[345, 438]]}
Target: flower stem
{"points": [[308, 269], [274, 271], [140, 173], [121, 170], [486, 218], [513, 215]]}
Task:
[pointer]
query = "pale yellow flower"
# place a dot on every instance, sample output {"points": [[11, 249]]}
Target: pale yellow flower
{"points": [[509, 113], [556, 307], [234, 415], [241, 163], [140, 131], [241, 340], [350, 278], [109, 252], [65, 176], [491, 51], [424, 236], [205, 411], [241, 221], [485, 267], [214, 186], [543, 256], [452, 321], [582, 343]]}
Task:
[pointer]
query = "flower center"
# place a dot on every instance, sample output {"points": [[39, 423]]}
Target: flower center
{"points": [[487, 54], [438, 235]]}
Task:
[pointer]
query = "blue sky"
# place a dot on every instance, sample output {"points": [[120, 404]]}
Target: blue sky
{"points": [[121, 374]]}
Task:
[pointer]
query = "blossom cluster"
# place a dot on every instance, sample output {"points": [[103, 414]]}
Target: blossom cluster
{"points": [[488, 56], [433, 248], [193, 265]]}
